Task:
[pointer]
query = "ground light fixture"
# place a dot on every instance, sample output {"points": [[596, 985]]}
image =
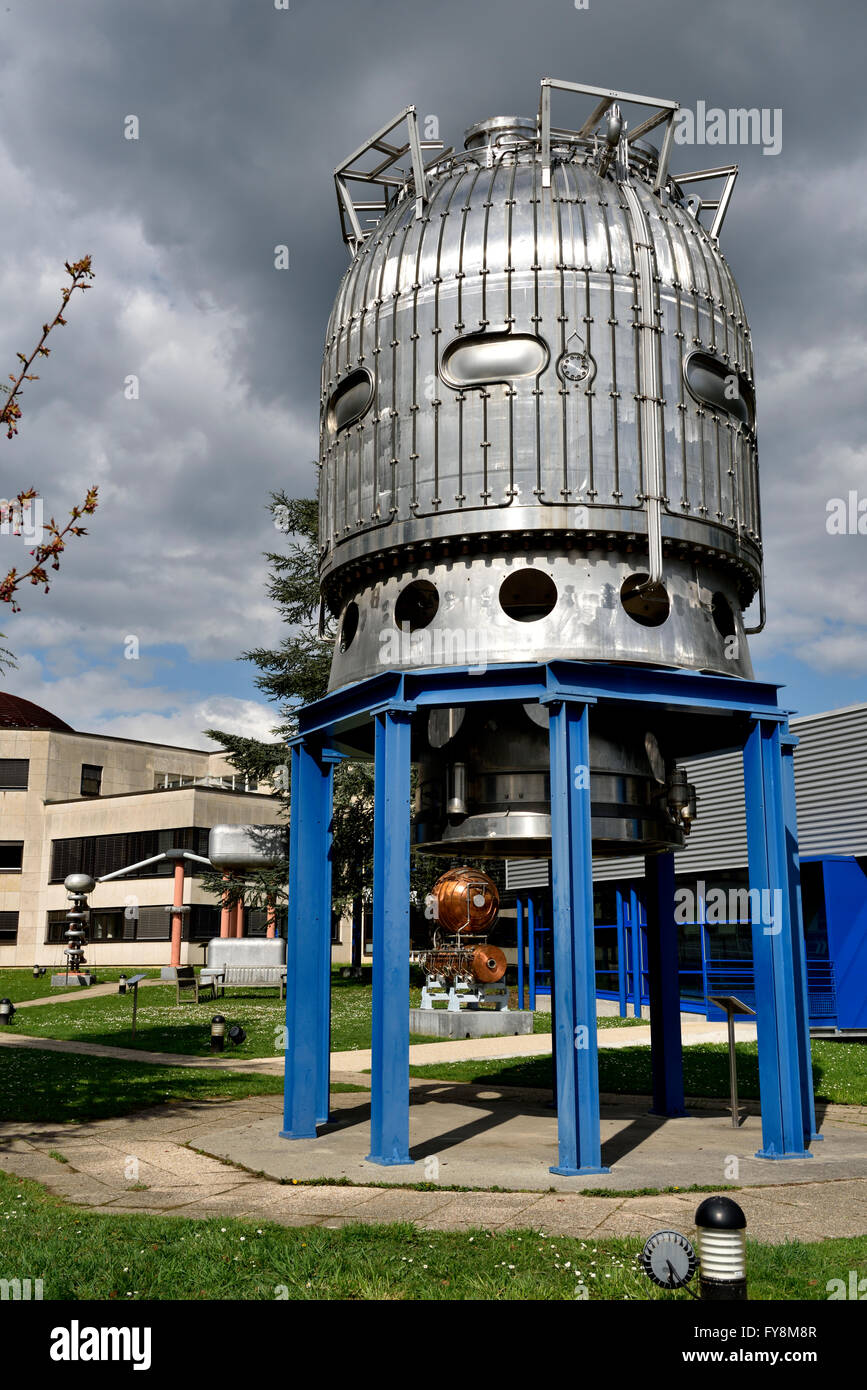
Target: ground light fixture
{"points": [[670, 1260], [121, 984], [7, 1011], [237, 1034], [218, 1033], [721, 1230]]}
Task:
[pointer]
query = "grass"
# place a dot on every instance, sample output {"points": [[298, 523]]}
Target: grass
{"points": [[162, 1025], [52, 1086], [81, 1255], [20, 984], [839, 1071]]}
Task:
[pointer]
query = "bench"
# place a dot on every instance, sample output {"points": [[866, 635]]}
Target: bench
{"points": [[246, 963], [246, 977], [187, 983]]}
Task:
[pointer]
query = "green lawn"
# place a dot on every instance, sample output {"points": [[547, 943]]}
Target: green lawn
{"points": [[60, 1087], [839, 1071], [80, 1255], [164, 1026], [20, 984]]}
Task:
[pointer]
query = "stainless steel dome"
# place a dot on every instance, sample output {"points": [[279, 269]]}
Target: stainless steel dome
{"points": [[538, 415]]}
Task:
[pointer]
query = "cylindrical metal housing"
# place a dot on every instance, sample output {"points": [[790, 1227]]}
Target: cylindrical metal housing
{"points": [[538, 443], [482, 394]]}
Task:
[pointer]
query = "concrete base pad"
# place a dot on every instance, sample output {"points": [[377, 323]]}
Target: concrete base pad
{"points": [[64, 981], [470, 1023], [477, 1136]]}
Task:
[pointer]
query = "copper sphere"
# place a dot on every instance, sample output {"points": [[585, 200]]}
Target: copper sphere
{"points": [[489, 964], [465, 901]]}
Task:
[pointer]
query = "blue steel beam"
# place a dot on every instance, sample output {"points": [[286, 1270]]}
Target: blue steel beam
{"points": [[389, 1061], [575, 680], [788, 743], [784, 1123], [574, 998], [309, 923], [666, 1049], [635, 923]]}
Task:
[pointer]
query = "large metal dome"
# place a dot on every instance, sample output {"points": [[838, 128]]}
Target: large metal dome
{"points": [[484, 395]]}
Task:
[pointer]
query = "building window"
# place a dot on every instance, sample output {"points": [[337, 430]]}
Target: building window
{"points": [[102, 854], [91, 779], [200, 923], [14, 774], [8, 926], [11, 854]]}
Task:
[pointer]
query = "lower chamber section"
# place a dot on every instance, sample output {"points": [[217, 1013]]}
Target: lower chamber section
{"points": [[540, 605], [483, 788]]}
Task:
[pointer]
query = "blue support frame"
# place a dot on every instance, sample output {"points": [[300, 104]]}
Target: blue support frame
{"points": [[788, 744], [531, 952], [519, 916], [635, 923], [389, 1060], [568, 688], [621, 954], [785, 1127], [574, 1002], [307, 1014], [666, 1048]]}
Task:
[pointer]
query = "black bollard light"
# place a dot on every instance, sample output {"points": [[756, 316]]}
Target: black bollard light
{"points": [[218, 1033], [36, 972], [121, 984], [7, 1011], [721, 1229]]}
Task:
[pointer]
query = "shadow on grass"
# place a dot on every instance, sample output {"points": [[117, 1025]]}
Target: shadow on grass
{"points": [[60, 1088]]}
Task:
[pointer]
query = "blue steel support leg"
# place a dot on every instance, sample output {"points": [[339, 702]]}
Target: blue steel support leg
{"points": [[324, 1071], [784, 1122], [635, 921], [309, 922], [520, 920], [389, 1065], [666, 1049], [580, 1148], [799, 945], [531, 952], [621, 954]]}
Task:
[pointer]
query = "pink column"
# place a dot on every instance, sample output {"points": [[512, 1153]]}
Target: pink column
{"points": [[271, 929], [239, 917], [225, 914], [177, 917]]}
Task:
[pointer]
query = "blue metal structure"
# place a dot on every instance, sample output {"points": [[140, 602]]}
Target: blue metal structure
{"points": [[376, 715], [834, 892]]}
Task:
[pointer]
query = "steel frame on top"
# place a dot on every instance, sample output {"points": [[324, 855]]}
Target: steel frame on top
{"points": [[568, 690]]}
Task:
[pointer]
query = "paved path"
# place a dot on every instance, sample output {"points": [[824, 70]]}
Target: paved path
{"points": [[76, 996], [180, 1181], [358, 1060]]}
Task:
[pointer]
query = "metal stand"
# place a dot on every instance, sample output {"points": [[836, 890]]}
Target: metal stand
{"points": [[568, 690]]}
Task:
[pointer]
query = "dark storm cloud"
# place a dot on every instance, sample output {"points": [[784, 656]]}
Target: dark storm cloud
{"points": [[244, 111]]}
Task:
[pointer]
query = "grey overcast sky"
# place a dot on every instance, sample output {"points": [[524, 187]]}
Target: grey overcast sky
{"points": [[244, 109]]}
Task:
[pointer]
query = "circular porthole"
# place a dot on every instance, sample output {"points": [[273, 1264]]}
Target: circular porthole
{"points": [[528, 595], [648, 606], [723, 616], [349, 626], [416, 605]]}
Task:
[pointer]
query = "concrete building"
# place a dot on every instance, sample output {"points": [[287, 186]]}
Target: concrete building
{"points": [[77, 802]]}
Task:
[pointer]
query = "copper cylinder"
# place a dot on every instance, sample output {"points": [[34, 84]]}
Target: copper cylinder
{"points": [[465, 901], [489, 964]]}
